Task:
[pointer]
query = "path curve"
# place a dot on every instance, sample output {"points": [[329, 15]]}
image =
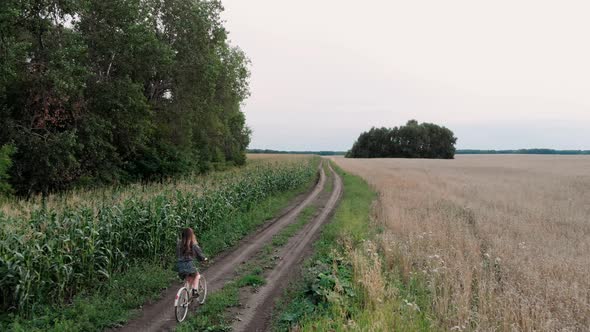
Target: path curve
{"points": [[159, 316], [256, 314]]}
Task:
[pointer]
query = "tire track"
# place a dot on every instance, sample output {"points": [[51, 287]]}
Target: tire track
{"points": [[257, 310], [159, 316]]}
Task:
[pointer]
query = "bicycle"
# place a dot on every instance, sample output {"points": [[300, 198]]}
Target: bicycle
{"points": [[184, 298]]}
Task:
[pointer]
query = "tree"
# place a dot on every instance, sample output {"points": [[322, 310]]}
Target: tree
{"points": [[96, 92], [43, 92], [413, 140]]}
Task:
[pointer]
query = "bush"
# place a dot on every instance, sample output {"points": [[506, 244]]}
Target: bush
{"points": [[6, 152]]}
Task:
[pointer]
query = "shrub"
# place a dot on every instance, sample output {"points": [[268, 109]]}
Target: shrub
{"points": [[6, 152]]}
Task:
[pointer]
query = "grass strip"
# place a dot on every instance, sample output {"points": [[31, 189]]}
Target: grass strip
{"points": [[214, 314], [285, 234], [329, 184], [343, 286]]}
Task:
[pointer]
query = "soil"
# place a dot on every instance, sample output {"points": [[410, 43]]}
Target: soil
{"points": [[256, 311], [159, 315]]}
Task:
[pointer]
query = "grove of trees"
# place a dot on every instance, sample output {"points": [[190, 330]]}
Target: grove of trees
{"points": [[320, 153], [525, 151], [414, 140], [107, 91]]}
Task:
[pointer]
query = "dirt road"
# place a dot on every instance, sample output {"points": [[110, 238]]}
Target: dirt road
{"points": [[256, 312], [159, 316]]}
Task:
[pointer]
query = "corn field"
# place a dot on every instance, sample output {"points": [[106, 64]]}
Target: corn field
{"points": [[48, 255]]}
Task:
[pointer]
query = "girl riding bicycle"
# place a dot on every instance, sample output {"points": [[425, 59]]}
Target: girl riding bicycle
{"points": [[187, 250]]}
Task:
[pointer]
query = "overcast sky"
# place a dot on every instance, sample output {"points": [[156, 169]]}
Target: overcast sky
{"points": [[500, 74]]}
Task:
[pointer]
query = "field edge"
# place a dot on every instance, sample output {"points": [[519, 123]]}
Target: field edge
{"points": [[114, 303], [344, 285]]}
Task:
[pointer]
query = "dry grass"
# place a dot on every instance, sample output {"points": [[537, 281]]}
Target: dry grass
{"points": [[502, 242]]}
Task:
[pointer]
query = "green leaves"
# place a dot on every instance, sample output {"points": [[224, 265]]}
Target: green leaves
{"points": [[331, 279], [50, 255], [6, 152], [118, 91], [425, 140]]}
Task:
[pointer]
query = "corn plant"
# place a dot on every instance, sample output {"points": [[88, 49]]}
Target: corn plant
{"points": [[52, 254]]}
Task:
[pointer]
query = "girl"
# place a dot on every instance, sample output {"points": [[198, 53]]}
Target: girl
{"points": [[187, 250]]}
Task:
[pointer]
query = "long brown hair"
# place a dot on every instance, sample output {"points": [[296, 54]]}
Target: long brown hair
{"points": [[188, 240]]}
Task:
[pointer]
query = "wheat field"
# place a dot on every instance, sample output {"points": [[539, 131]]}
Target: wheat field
{"points": [[501, 242]]}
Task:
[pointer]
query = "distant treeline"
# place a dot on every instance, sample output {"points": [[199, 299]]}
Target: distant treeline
{"points": [[112, 91], [321, 153], [525, 151], [414, 140]]}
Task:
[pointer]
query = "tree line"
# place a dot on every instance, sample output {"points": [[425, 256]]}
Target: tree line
{"points": [[320, 153], [526, 151], [109, 91], [414, 140]]}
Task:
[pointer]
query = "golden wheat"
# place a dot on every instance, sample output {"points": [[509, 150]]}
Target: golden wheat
{"points": [[502, 242]]}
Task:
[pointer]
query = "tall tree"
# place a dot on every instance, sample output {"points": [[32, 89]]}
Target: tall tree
{"points": [[114, 90], [414, 140]]}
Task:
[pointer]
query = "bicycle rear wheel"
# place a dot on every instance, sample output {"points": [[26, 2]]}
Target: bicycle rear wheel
{"points": [[202, 290], [181, 304]]}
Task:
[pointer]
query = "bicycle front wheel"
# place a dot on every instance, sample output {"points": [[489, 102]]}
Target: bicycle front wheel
{"points": [[202, 290], [181, 304]]}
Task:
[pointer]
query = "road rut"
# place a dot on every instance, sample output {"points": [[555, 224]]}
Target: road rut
{"points": [[159, 316], [256, 313]]}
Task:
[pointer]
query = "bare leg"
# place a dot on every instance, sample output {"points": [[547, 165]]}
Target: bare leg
{"points": [[190, 280], [196, 281]]}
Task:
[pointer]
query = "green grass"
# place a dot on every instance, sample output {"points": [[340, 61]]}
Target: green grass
{"points": [[327, 297], [308, 297], [50, 255], [245, 223], [306, 215], [212, 315], [285, 234], [115, 302], [329, 178], [253, 280], [351, 219]]}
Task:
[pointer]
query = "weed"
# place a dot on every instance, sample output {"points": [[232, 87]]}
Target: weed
{"points": [[343, 285], [491, 243], [253, 280], [101, 248], [212, 315]]}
